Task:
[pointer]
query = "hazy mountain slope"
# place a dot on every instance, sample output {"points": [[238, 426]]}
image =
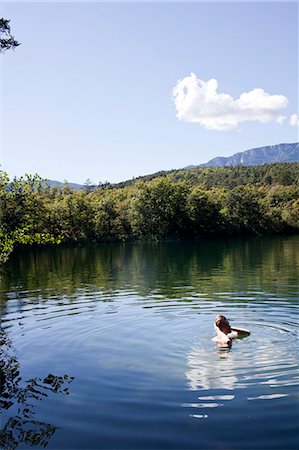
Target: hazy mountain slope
{"points": [[59, 184]]}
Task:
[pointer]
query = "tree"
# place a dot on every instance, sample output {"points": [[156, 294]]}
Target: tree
{"points": [[89, 186], [243, 211], [204, 213], [7, 41], [160, 209]]}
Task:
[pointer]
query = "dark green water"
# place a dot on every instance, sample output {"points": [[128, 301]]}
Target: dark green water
{"points": [[110, 347]]}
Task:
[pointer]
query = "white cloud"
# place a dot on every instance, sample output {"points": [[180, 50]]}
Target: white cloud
{"points": [[294, 120], [199, 102]]}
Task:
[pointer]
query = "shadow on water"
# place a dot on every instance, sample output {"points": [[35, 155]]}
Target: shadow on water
{"points": [[22, 398]]}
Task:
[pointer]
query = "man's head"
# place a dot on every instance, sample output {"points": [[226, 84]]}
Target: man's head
{"points": [[223, 324]]}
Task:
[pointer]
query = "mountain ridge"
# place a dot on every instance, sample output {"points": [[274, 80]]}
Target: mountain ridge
{"points": [[285, 152]]}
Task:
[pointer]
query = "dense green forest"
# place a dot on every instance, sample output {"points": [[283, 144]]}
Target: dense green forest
{"points": [[183, 204]]}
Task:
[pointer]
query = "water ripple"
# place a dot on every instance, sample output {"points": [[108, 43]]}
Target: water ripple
{"points": [[136, 335]]}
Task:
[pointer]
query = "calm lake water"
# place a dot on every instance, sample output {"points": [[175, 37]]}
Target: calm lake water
{"points": [[109, 347]]}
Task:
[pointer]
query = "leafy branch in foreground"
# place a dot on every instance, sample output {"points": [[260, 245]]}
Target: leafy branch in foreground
{"points": [[6, 247], [7, 41]]}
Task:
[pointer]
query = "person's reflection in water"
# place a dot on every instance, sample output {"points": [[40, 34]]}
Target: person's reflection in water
{"points": [[205, 373], [21, 398]]}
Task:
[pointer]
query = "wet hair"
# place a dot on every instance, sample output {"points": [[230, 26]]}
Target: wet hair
{"points": [[223, 324]]}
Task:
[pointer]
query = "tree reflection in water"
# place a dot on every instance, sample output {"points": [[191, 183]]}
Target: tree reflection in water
{"points": [[22, 426]]}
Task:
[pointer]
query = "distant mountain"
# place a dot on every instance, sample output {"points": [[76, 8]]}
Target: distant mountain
{"points": [[257, 156], [59, 184]]}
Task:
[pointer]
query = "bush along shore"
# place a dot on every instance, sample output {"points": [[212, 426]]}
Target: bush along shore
{"points": [[182, 204]]}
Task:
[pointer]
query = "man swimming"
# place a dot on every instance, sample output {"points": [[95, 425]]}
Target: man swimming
{"points": [[225, 333]]}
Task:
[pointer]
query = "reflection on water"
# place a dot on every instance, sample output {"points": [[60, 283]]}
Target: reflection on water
{"points": [[258, 363], [133, 324], [204, 371], [209, 266], [265, 364], [21, 399]]}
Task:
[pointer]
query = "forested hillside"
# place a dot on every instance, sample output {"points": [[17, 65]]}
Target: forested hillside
{"points": [[267, 174], [184, 204]]}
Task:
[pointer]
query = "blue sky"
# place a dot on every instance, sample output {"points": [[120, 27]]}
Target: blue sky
{"points": [[89, 93]]}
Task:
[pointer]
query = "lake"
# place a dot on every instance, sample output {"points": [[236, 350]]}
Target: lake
{"points": [[110, 346]]}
